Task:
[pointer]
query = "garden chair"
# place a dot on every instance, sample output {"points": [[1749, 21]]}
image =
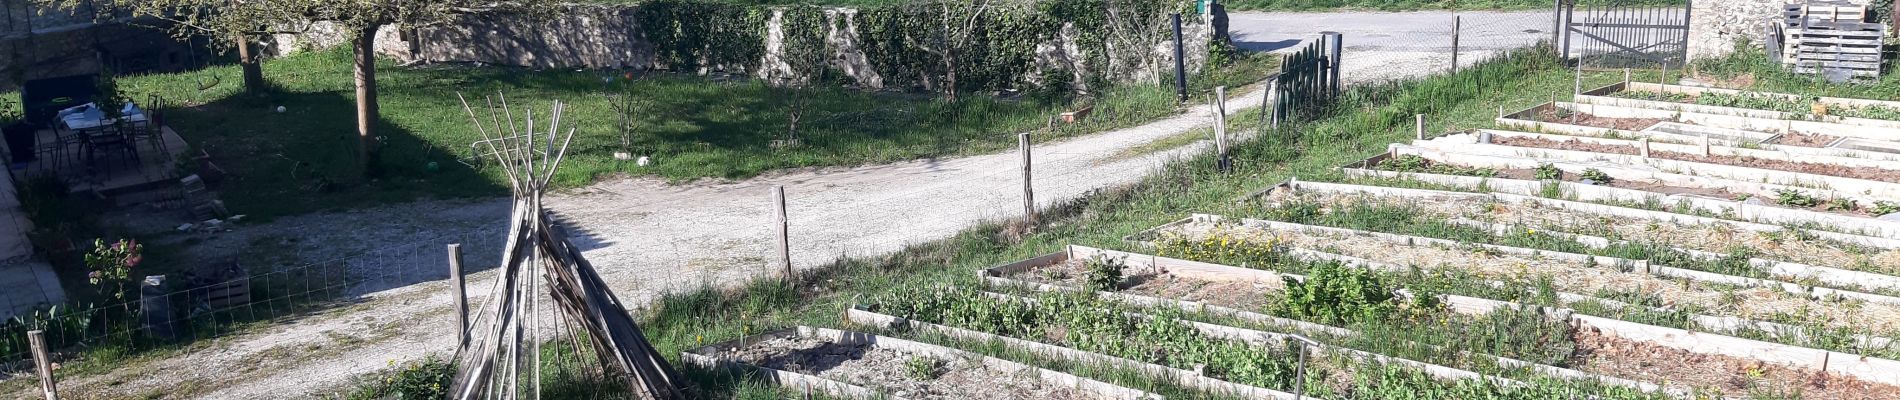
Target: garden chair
{"points": [[108, 137]]}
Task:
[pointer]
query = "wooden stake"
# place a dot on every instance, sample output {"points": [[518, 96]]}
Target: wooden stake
{"points": [[1705, 145], [37, 340], [461, 295], [1220, 126], [784, 226], [1626, 79], [1421, 127], [1029, 193], [1644, 145]]}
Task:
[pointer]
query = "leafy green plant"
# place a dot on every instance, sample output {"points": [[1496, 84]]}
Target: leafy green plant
{"points": [[1795, 198], [428, 379], [1842, 204], [1223, 249], [1413, 163], [1549, 172], [1103, 273], [1883, 207], [923, 368], [1595, 175], [1333, 294]]}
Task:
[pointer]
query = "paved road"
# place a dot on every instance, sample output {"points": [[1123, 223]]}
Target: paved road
{"points": [[1394, 45]]}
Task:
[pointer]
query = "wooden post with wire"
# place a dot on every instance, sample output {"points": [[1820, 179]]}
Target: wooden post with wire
{"points": [[461, 295], [1457, 23], [1220, 129], [784, 235], [1029, 192], [36, 339]]}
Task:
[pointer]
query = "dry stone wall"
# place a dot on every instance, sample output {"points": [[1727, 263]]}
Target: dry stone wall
{"points": [[1716, 25]]}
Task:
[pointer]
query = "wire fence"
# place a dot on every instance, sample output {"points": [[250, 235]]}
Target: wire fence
{"points": [[183, 309]]}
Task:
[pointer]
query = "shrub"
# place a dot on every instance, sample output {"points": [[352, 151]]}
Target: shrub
{"points": [[1103, 273], [428, 379], [109, 266]]}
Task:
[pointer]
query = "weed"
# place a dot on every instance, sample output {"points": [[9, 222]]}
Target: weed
{"points": [[1883, 207], [1333, 294], [1795, 198], [1549, 172], [1596, 175], [924, 368]]}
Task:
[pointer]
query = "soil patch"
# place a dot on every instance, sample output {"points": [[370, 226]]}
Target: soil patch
{"points": [[1806, 139], [1872, 174], [1608, 355], [900, 373], [1582, 119]]}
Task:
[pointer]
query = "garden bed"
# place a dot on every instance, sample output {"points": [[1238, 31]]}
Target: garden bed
{"points": [[1845, 171], [1464, 149], [1206, 293], [859, 365], [1564, 180], [1602, 116], [1775, 243]]}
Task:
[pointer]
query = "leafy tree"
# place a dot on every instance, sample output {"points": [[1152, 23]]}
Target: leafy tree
{"points": [[360, 19]]}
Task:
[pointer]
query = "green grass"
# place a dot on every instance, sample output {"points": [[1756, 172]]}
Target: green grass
{"points": [[692, 127], [1749, 68]]}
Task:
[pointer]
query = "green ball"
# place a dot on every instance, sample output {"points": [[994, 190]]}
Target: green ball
{"points": [[433, 167]]}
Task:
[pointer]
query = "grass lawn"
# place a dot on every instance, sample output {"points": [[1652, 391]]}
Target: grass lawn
{"points": [[692, 127]]}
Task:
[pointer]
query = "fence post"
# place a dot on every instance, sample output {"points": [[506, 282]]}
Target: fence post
{"points": [[1180, 65], [1569, 12], [1029, 194], [1421, 126], [784, 236], [1220, 128], [1557, 25], [1335, 52], [1626, 79], [1457, 23], [461, 295], [37, 340]]}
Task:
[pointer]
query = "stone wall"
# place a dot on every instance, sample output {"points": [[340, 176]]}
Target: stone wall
{"points": [[1715, 25], [610, 37]]}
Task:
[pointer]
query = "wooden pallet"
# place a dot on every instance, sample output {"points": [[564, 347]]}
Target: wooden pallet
{"points": [[1823, 19]]}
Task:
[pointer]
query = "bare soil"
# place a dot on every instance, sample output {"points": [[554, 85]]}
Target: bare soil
{"points": [[1608, 355], [1873, 174], [891, 371], [1244, 295], [1531, 174], [1582, 119], [1806, 139]]}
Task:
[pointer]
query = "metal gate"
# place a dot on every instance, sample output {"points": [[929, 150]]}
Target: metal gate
{"points": [[1626, 33]]}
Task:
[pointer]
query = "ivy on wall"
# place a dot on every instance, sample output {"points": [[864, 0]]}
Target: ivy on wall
{"points": [[922, 44]]}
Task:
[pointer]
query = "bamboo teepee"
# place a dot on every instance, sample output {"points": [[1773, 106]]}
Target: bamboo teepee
{"points": [[503, 357]]}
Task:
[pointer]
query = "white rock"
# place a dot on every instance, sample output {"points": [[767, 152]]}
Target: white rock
{"points": [[643, 161], [280, 109]]}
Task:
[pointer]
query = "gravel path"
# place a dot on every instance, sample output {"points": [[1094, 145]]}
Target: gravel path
{"points": [[648, 237]]}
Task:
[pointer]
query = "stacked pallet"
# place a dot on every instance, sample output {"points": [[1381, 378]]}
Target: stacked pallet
{"points": [[1826, 36]]}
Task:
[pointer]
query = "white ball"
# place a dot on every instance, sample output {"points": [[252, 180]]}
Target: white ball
{"points": [[280, 109], [643, 161]]}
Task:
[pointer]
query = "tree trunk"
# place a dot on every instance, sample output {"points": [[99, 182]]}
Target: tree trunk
{"points": [[950, 74], [247, 59], [365, 68]]}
